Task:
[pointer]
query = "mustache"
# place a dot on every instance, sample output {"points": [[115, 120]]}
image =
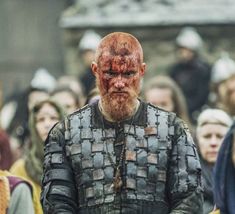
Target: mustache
{"points": [[122, 90], [119, 91]]}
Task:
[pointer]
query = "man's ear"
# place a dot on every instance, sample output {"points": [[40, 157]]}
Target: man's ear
{"points": [[94, 68], [142, 69]]}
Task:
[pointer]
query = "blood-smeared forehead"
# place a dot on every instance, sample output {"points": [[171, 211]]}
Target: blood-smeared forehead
{"points": [[121, 48]]}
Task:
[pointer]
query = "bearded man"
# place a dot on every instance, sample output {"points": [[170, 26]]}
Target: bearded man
{"points": [[120, 154]]}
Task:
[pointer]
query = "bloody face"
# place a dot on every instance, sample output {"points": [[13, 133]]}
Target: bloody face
{"points": [[119, 71]]}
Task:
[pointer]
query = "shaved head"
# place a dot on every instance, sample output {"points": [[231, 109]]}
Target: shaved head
{"points": [[119, 44], [118, 68]]}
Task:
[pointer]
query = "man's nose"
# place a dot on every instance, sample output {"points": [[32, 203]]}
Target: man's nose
{"points": [[119, 83]]}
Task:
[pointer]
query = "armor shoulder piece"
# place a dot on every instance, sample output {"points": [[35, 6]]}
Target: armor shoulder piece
{"points": [[181, 128], [80, 110], [56, 132]]}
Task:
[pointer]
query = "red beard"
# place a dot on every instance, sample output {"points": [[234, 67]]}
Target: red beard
{"points": [[119, 106]]}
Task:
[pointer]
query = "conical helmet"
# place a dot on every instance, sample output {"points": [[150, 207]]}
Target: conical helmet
{"points": [[189, 38], [89, 41], [223, 68]]}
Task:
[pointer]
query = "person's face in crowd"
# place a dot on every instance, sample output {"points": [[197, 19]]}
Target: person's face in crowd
{"points": [[228, 94], [46, 117], [74, 85], [185, 54], [36, 97], [88, 56], [66, 100], [161, 97], [118, 70], [209, 138]]}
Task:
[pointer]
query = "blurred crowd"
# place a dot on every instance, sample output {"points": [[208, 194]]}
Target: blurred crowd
{"points": [[203, 95]]}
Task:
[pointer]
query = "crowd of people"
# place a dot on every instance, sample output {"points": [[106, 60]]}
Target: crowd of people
{"points": [[112, 142]]}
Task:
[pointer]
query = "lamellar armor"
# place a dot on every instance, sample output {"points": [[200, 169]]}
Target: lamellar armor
{"points": [[158, 165]]}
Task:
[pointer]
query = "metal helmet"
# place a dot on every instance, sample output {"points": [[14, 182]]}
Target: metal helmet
{"points": [[42, 79], [222, 69], [89, 41], [189, 38]]}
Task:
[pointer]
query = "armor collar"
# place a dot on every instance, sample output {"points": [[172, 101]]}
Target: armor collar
{"points": [[140, 117]]}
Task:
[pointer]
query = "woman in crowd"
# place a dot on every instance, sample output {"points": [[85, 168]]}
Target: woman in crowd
{"points": [[42, 117], [212, 125], [66, 98], [15, 116], [162, 91], [73, 83], [15, 195]]}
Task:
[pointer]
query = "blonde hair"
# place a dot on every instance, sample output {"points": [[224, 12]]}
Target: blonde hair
{"points": [[214, 116]]}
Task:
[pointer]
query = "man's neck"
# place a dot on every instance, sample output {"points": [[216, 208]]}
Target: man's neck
{"points": [[110, 119]]}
